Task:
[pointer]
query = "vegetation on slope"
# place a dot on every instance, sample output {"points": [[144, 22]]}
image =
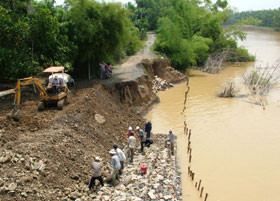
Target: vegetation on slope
{"points": [[189, 31]]}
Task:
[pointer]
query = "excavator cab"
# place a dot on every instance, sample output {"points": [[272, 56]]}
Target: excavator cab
{"points": [[57, 74]]}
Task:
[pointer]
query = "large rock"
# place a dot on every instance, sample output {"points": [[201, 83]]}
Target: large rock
{"points": [[12, 187], [74, 195], [39, 165], [152, 195], [127, 180], [6, 157], [99, 118]]}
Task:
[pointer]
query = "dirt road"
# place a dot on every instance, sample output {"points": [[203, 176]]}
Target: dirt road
{"points": [[128, 71], [145, 53]]}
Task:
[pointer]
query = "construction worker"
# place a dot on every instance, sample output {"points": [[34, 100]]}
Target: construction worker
{"points": [[142, 137], [148, 128], [121, 156], [116, 165], [131, 146], [56, 84], [129, 131], [97, 167], [171, 139]]}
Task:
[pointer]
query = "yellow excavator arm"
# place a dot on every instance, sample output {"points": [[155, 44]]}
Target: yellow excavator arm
{"points": [[29, 81]]}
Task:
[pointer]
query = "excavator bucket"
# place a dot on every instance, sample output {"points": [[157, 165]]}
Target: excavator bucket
{"points": [[15, 114]]}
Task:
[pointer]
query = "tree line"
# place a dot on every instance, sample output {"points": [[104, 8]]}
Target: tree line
{"points": [[189, 31], [268, 18], [81, 33], [78, 35]]}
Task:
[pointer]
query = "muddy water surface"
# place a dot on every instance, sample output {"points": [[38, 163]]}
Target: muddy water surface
{"points": [[236, 144]]}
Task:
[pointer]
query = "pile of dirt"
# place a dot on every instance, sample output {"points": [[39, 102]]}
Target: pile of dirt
{"points": [[161, 67], [47, 155], [51, 151]]}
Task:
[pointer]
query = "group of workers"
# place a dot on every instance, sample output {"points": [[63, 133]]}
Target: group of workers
{"points": [[118, 157]]}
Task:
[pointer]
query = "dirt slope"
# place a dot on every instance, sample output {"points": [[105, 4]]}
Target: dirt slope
{"points": [[63, 143], [47, 155]]}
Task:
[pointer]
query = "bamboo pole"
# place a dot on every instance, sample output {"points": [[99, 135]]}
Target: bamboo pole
{"points": [[190, 132], [7, 92], [206, 196], [193, 175], [201, 192], [199, 185]]}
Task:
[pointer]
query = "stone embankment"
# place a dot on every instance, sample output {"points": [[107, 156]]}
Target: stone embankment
{"points": [[161, 182]]}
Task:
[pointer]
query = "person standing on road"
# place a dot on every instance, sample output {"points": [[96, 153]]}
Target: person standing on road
{"points": [[148, 128], [116, 165], [131, 146], [121, 156], [97, 167], [103, 69], [142, 137], [171, 139]]}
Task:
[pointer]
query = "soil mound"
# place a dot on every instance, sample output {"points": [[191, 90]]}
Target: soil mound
{"points": [[48, 152], [47, 155]]}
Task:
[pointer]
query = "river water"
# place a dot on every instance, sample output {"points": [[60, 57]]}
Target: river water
{"points": [[235, 143]]}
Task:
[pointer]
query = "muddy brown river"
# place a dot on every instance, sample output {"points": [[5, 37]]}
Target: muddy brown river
{"points": [[235, 143]]}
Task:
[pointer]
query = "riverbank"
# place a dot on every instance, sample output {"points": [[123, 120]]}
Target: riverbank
{"points": [[47, 155], [235, 151]]}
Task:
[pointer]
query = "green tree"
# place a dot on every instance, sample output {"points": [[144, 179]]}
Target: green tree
{"points": [[102, 32], [14, 50]]}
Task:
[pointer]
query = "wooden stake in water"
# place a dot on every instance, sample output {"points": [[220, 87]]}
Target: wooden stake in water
{"points": [[189, 169], [199, 185], [193, 176], [190, 132], [190, 158], [206, 196], [195, 184], [201, 192]]}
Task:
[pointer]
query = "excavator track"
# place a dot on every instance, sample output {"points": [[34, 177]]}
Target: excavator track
{"points": [[41, 106], [60, 104]]}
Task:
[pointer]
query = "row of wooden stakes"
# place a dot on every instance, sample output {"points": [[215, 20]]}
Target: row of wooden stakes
{"points": [[200, 189]]}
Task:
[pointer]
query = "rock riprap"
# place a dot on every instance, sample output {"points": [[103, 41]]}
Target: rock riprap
{"points": [[161, 182]]}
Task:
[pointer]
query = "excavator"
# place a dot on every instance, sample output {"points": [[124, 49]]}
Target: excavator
{"points": [[47, 95]]}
